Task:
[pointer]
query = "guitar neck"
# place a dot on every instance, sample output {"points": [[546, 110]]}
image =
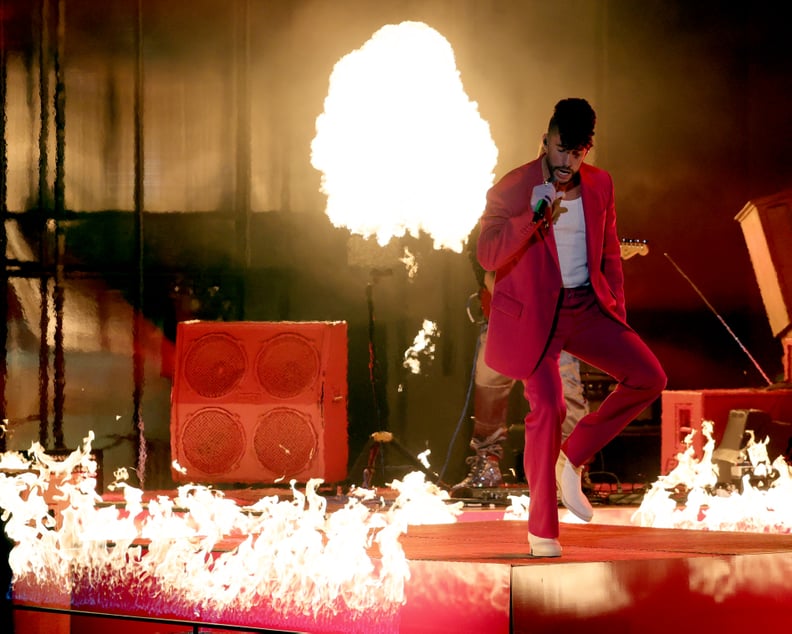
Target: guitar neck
{"points": [[631, 247]]}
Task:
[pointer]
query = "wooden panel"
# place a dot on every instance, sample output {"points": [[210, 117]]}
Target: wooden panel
{"points": [[767, 226]]}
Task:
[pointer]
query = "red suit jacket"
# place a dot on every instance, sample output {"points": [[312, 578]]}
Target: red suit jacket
{"points": [[528, 275]]}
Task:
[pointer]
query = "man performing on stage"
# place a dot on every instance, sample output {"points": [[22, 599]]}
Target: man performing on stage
{"points": [[549, 233]]}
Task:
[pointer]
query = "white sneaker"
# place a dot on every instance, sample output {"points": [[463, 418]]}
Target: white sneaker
{"points": [[572, 497], [544, 546]]}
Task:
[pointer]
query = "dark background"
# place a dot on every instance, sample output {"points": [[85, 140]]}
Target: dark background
{"points": [[693, 102]]}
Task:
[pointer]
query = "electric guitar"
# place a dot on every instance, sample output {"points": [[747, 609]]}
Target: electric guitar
{"points": [[631, 247]]}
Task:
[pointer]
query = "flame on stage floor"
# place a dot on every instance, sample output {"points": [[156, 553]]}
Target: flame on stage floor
{"points": [[761, 502], [200, 556], [691, 497]]}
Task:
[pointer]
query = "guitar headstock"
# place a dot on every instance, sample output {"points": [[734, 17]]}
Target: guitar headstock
{"points": [[631, 247]]}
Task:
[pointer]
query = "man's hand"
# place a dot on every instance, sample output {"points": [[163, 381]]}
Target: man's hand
{"points": [[545, 192], [558, 208]]}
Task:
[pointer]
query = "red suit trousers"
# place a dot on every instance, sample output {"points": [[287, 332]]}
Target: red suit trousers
{"points": [[585, 331]]}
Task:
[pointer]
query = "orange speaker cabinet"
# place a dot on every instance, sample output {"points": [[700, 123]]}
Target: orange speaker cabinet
{"points": [[260, 402], [684, 411]]}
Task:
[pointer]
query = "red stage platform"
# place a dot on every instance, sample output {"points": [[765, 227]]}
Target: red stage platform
{"points": [[475, 576]]}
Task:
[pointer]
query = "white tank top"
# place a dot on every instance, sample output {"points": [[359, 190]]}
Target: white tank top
{"points": [[570, 236]]}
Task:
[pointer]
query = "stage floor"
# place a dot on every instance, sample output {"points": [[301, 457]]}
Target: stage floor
{"points": [[614, 578], [475, 576]]}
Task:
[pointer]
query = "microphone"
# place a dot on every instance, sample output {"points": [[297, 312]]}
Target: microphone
{"points": [[539, 210]]}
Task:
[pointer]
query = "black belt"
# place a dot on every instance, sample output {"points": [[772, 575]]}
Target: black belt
{"points": [[577, 291]]}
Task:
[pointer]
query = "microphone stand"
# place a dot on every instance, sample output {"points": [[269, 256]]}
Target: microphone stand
{"points": [[373, 451], [374, 369], [725, 325]]}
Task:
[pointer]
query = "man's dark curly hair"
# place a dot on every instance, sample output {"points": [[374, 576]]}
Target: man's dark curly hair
{"points": [[574, 119]]}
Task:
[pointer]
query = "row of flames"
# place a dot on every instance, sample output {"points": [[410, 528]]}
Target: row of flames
{"points": [[200, 556]]}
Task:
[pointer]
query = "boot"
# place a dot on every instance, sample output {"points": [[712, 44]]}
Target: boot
{"points": [[484, 464]]}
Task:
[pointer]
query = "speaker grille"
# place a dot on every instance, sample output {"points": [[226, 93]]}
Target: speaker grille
{"points": [[284, 441], [214, 365], [213, 441], [287, 366], [259, 402]]}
